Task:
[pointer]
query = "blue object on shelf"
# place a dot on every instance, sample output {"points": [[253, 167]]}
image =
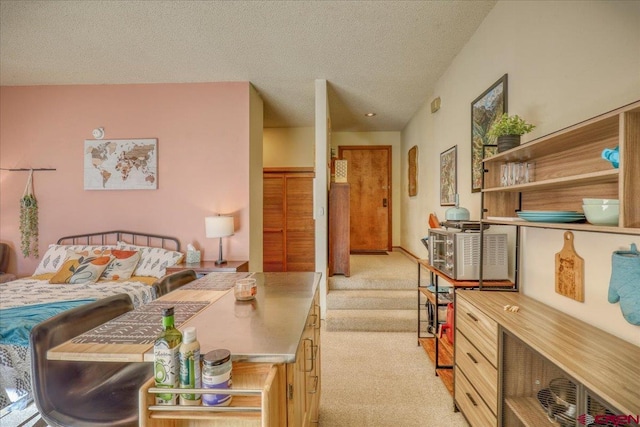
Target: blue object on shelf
{"points": [[612, 155], [441, 289]]}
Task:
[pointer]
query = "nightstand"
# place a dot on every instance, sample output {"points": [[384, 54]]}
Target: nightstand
{"points": [[204, 267]]}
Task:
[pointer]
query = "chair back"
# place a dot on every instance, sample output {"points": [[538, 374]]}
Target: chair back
{"points": [[83, 394]]}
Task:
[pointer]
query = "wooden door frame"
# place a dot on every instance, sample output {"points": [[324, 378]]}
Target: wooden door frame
{"points": [[389, 150]]}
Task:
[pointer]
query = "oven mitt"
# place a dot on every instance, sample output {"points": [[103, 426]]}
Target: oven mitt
{"points": [[625, 283]]}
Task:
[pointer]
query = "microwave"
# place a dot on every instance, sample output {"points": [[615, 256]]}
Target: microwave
{"points": [[457, 254]]}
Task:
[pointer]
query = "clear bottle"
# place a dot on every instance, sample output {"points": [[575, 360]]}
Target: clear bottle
{"points": [[216, 373], [190, 367], [166, 359]]}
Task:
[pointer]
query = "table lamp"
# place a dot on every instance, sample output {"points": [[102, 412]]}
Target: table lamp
{"points": [[219, 226]]}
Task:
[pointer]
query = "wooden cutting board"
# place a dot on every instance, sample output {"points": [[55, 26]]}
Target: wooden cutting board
{"points": [[569, 270]]}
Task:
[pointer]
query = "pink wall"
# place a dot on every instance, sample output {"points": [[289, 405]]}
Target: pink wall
{"points": [[203, 161]]}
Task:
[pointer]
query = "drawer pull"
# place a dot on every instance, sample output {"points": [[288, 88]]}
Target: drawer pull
{"points": [[474, 318], [304, 369], [315, 386], [471, 399], [473, 359]]}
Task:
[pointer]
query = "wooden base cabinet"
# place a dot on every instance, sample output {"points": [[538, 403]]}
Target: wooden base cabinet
{"points": [[506, 362], [266, 394], [339, 229]]}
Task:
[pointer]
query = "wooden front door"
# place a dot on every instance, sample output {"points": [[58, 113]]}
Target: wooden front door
{"points": [[369, 176]]}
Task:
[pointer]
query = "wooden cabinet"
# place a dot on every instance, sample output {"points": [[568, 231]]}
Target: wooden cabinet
{"points": [[567, 168], [264, 394], [476, 361], [303, 376], [339, 229], [289, 227], [507, 361]]}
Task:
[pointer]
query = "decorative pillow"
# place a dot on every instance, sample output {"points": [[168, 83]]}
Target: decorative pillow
{"points": [[153, 261], [123, 265], [57, 254], [80, 268]]}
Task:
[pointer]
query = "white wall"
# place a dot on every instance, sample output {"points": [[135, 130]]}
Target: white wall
{"points": [[398, 158], [256, 107], [289, 147], [567, 61], [321, 185]]}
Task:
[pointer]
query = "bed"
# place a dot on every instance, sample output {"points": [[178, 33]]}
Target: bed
{"points": [[77, 270]]}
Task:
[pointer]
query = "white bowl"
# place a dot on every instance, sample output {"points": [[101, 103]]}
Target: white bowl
{"points": [[602, 214], [601, 201]]}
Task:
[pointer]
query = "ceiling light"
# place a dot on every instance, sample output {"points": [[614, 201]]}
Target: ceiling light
{"points": [[369, 114]]}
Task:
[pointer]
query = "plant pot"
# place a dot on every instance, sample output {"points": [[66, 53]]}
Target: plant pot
{"points": [[507, 142]]}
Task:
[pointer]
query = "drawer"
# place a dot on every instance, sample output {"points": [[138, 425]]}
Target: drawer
{"points": [[478, 370], [471, 405], [479, 329]]}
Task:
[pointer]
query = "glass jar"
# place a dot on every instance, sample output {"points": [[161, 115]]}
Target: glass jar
{"points": [[216, 373]]}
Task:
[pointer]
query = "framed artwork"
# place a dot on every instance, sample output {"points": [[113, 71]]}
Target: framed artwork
{"points": [[121, 164], [448, 176], [413, 171], [485, 110]]}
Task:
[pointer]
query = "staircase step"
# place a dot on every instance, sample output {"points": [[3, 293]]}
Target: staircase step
{"points": [[355, 283], [371, 299], [372, 320]]}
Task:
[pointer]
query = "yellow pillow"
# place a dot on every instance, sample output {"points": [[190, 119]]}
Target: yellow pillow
{"points": [[80, 268]]}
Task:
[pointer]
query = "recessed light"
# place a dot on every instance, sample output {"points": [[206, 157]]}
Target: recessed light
{"points": [[369, 114]]}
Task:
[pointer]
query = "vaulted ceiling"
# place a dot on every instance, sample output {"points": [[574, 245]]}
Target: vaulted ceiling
{"points": [[378, 56]]}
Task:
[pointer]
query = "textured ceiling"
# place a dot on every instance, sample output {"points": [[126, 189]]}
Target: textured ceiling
{"points": [[382, 56]]}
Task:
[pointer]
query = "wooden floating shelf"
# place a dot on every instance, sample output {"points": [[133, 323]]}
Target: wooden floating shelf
{"points": [[568, 226], [601, 177]]}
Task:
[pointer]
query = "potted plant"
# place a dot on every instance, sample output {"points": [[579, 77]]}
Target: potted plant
{"points": [[508, 130]]}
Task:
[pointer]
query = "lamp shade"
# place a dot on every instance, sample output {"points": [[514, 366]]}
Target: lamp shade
{"points": [[218, 226]]}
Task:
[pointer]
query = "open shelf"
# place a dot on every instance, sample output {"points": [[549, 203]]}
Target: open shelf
{"points": [[445, 356], [529, 412], [568, 167]]}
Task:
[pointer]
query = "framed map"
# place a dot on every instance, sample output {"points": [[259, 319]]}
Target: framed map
{"points": [[121, 164]]}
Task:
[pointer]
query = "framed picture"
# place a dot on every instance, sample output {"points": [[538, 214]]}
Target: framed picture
{"points": [[413, 171], [121, 164], [448, 176], [485, 110]]}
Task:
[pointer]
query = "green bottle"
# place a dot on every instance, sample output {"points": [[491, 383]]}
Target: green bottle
{"points": [[166, 358]]}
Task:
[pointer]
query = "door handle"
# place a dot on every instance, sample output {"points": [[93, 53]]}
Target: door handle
{"points": [[384, 203]]}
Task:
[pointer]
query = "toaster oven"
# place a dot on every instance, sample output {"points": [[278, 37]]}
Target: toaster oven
{"points": [[457, 254]]}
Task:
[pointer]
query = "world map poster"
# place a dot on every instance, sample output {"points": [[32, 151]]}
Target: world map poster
{"points": [[122, 164]]}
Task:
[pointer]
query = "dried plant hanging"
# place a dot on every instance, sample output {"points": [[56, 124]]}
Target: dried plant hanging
{"points": [[29, 220]]}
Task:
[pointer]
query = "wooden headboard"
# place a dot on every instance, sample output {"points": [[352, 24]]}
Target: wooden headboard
{"points": [[112, 237]]}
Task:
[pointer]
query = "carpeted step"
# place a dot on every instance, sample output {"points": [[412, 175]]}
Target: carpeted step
{"points": [[356, 283], [372, 320], [371, 300]]}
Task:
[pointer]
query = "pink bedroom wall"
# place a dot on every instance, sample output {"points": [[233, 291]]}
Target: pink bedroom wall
{"points": [[203, 161]]}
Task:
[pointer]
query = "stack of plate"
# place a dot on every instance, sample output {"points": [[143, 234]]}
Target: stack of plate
{"points": [[551, 216]]}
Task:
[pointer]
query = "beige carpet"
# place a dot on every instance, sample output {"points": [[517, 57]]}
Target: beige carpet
{"points": [[379, 295], [381, 379]]}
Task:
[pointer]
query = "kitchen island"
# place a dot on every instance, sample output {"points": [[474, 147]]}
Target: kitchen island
{"points": [[274, 341]]}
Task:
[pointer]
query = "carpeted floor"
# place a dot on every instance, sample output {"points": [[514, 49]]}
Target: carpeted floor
{"points": [[381, 379]]}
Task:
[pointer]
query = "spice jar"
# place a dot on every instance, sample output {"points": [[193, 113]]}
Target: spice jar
{"points": [[216, 373]]}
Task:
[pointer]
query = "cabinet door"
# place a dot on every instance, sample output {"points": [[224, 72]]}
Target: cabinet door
{"points": [[300, 225], [289, 227], [273, 222]]}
